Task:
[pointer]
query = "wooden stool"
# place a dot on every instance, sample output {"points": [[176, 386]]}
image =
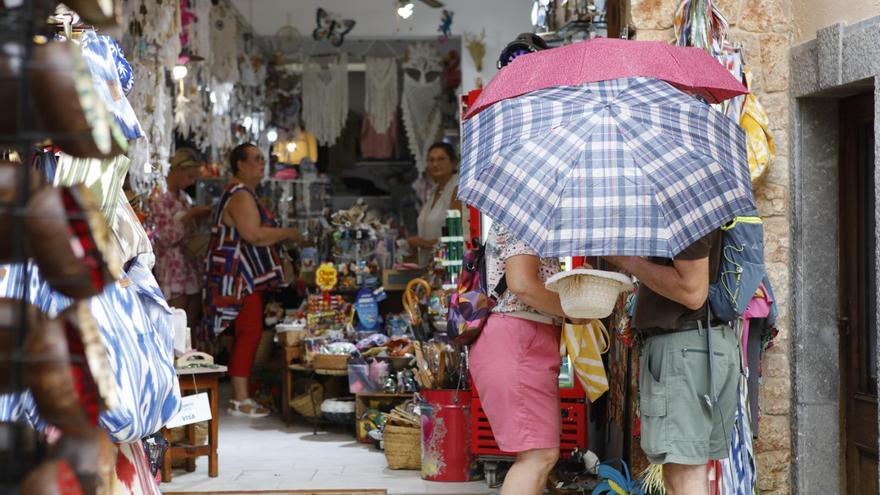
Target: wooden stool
{"points": [[196, 380]]}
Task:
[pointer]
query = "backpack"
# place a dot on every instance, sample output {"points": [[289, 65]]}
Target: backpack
{"points": [[741, 268], [469, 306]]}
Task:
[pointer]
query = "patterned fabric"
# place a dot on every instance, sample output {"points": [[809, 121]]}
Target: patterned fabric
{"points": [[132, 475], [739, 473], [234, 268], [585, 352], [177, 275], [622, 167], [135, 325], [129, 233], [98, 53], [103, 177], [500, 245], [123, 68], [758, 138]]}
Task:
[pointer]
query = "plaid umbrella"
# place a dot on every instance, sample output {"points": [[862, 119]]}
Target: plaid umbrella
{"points": [[620, 167]]}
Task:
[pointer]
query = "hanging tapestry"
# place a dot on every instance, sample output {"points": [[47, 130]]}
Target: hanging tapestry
{"points": [[325, 97], [224, 45], [382, 96], [420, 103]]}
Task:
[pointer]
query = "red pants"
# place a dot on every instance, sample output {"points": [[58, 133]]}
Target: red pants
{"points": [[248, 330]]}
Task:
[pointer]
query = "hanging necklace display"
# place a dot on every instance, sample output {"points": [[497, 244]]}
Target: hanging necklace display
{"points": [[325, 97], [420, 102], [382, 96]]}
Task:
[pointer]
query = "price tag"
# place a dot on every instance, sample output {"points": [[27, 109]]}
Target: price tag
{"points": [[193, 409]]}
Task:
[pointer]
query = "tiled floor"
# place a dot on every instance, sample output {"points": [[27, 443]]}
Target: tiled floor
{"points": [[263, 454]]}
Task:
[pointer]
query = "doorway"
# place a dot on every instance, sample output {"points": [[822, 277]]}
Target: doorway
{"points": [[858, 301]]}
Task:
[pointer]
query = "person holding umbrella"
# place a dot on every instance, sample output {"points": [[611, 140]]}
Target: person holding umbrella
{"points": [[680, 430], [624, 158]]}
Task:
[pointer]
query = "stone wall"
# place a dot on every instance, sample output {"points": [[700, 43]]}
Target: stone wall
{"points": [[764, 28]]}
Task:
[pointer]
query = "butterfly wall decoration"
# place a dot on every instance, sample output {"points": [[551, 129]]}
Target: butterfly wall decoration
{"points": [[331, 27]]}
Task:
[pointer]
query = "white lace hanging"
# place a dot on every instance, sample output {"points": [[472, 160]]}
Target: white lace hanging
{"points": [[420, 102], [382, 95], [325, 97], [224, 45]]}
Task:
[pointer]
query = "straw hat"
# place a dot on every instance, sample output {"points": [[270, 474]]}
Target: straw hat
{"points": [[184, 158], [589, 294]]}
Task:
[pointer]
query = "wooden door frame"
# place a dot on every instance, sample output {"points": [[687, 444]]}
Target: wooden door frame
{"points": [[855, 277]]}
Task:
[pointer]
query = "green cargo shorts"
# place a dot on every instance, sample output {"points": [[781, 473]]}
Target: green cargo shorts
{"points": [[678, 425]]}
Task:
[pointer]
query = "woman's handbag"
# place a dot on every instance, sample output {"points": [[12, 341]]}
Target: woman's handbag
{"points": [[470, 304], [195, 247]]}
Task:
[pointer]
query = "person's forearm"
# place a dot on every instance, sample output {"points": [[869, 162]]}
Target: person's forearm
{"points": [[664, 280], [535, 295], [268, 236]]}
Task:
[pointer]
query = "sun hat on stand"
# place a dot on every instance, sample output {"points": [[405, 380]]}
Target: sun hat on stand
{"points": [[588, 294]]}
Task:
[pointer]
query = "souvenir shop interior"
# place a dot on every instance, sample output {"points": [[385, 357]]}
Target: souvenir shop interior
{"points": [[111, 378]]}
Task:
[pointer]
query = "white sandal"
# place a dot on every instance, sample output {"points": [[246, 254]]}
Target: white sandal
{"points": [[253, 412]]}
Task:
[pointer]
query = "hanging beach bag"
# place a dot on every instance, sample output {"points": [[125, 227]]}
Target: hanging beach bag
{"points": [[741, 269], [470, 304]]}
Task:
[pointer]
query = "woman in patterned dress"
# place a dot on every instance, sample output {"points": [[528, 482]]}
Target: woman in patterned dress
{"points": [[243, 262], [173, 215]]}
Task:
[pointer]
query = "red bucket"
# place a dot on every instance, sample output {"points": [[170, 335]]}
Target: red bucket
{"points": [[446, 436]]}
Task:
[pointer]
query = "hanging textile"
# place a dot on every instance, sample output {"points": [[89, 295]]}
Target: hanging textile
{"points": [[131, 238], [582, 345], [104, 178], [420, 102], [382, 96], [224, 45], [759, 141], [738, 473], [375, 144], [132, 475], [149, 156], [325, 97], [135, 325]]}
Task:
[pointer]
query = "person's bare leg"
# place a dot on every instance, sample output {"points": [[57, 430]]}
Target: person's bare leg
{"points": [[685, 479], [528, 475], [239, 387]]}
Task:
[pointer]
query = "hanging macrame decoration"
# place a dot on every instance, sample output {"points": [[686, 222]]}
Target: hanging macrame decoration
{"points": [[382, 96], [420, 102], [224, 45], [325, 97]]}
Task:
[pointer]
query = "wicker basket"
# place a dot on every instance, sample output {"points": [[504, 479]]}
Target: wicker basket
{"points": [[309, 403], [330, 362], [589, 294], [403, 449]]}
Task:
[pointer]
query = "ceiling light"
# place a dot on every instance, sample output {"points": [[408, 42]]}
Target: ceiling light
{"points": [[405, 10], [248, 121], [179, 72], [291, 147], [272, 135]]}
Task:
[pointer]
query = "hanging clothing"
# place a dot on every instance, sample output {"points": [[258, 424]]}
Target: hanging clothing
{"points": [[325, 96], [131, 238], [344, 153], [224, 45], [378, 145], [421, 100], [135, 325], [104, 178], [303, 145], [759, 141], [432, 217], [177, 275], [584, 345], [234, 268], [382, 96], [99, 55]]}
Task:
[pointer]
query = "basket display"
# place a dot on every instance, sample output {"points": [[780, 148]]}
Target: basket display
{"points": [[403, 449], [589, 294], [309, 403], [330, 362]]}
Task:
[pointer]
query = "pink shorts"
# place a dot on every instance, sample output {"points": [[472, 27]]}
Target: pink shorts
{"points": [[515, 368]]}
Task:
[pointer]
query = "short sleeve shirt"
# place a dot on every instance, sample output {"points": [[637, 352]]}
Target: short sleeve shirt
{"points": [[654, 311], [501, 245]]}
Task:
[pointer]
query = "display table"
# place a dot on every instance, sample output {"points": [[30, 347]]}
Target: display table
{"points": [[192, 381], [308, 372]]}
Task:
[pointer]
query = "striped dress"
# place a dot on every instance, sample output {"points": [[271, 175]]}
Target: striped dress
{"points": [[234, 268]]}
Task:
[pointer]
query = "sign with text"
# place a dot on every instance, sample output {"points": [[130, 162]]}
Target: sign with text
{"points": [[193, 409]]}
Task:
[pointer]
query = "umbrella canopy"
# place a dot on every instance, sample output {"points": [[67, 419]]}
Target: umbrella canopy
{"points": [[623, 167], [690, 69]]}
